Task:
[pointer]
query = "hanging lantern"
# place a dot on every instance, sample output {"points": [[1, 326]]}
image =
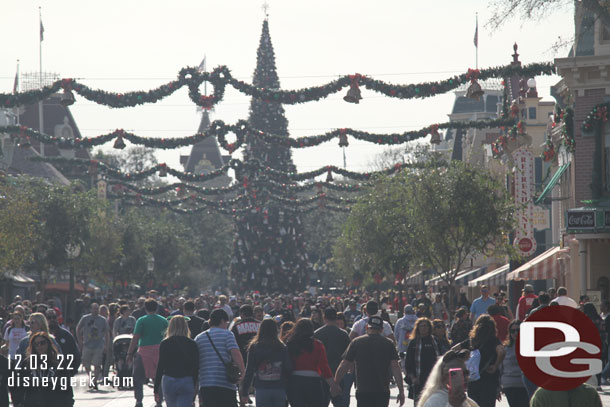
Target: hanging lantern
{"points": [[67, 98], [162, 170], [353, 94], [343, 138], [119, 144]]}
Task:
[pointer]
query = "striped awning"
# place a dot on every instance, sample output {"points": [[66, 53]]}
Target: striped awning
{"points": [[554, 180], [545, 266], [415, 278], [462, 278], [494, 278]]}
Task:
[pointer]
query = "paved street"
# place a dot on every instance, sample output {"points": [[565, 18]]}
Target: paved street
{"points": [[111, 397]]}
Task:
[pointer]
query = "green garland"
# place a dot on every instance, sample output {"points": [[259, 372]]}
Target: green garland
{"points": [[498, 146], [221, 76], [242, 130], [252, 166]]}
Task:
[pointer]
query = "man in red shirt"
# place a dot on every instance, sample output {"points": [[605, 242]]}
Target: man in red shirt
{"points": [[525, 302], [502, 323]]}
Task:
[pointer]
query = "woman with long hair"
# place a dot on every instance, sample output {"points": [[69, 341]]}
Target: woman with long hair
{"points": [[310, 367], [484, 342], [440, 333], [269, 365], [15, 333], [285, 330], [511, 378], [437, 391], [422, 352], [178, 367], [43, 366]]}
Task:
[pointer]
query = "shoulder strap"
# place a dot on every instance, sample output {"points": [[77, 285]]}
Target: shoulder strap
{"points": [[214, 346]]}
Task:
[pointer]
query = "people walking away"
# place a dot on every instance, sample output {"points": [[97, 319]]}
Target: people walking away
{"points": [[422, 352], [563, 299], [310, 367], [479, 305], [486, 349], [194, 322], [404, 327], [218, 347], [359, 327], [178, 366], [335, 341], [439, 391], [495, 311], [582, 396], [511, 373], [544, 300], [525, 302], [374, 357], [269, 366], [93, 336], [147, 336], [245, 329]]}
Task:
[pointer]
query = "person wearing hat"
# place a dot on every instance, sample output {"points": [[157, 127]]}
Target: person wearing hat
{"points": [[525, 302], [374, 357], [403, 328]]}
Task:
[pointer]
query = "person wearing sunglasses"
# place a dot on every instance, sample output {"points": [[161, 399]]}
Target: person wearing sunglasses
{"points": [[439, 391], [511, 381], [42, 360]]}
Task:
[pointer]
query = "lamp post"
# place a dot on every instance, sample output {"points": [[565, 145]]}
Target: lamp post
{"points": [[150, 267], [72, 252]]}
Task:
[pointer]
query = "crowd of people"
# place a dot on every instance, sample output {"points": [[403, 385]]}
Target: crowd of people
{"points": [[304, 350]]}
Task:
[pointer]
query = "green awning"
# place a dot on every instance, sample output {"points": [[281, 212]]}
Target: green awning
{"points": [[549, 187]]}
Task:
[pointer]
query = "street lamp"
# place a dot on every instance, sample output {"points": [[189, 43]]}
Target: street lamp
{"points": [[150, 267], [72, 252]]}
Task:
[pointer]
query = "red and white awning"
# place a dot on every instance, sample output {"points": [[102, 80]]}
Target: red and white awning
{"points": [[494, 278], [545, 266]]}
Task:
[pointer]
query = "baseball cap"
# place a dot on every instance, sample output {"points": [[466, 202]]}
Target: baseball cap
{"points": [[528, 288], [375, 322]]}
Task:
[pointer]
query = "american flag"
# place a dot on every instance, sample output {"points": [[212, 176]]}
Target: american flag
{"points": [[476, 35]]}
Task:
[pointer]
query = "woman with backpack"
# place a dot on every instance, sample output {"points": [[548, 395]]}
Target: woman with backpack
{"points": [[486, 355], [269, 365], [310, 367]]}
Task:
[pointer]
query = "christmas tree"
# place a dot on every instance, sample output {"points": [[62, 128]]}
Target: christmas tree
{"points": [[269, 249]]}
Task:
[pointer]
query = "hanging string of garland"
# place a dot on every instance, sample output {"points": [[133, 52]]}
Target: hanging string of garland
{"points": [[498, 147], [221, 76], [293, 206], [182, 187], [242, 129], [565, 119], [237, 165], [596, 117]]}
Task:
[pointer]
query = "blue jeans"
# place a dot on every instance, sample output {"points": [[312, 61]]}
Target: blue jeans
{"points": [[139, 378], [178, 391], [270, 397], [346, 385]]}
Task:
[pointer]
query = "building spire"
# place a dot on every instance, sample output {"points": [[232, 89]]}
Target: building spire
{"points": [[265, 8]]}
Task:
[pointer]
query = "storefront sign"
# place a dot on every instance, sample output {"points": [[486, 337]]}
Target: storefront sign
{"points": [[581, 219], [542, 218], [524, 189]]}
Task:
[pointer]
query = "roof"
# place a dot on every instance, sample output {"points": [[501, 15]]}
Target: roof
{"points": [[206, 152], [18, 162]]}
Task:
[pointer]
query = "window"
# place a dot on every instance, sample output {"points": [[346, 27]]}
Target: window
{"points": [[532, 112], [524, 113]]}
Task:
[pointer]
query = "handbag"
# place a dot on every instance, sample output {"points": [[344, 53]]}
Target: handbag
{"points": [[232, 371]]}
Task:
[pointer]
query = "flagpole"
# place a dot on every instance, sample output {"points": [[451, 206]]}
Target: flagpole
{"points": [[17, 84], [40, 107], [477, 46]]}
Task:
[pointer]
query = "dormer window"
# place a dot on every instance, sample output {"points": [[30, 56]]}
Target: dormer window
{"points": [[64, 130]]}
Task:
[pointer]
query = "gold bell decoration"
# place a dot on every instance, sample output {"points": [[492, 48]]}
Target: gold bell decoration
{"points": [[67, 98], [474, 90], [435, 136], [343, 138], [119, 144], [353, 94]]}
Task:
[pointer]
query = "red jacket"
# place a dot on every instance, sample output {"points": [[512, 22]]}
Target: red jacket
{"points": [[525, 303], [316, 361], [501, 327]]}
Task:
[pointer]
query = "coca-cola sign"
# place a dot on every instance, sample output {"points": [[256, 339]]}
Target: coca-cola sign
{"points": [[581, 219]]}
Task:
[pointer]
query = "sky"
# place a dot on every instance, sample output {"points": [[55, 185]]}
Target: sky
{"points": [[134, 45]]}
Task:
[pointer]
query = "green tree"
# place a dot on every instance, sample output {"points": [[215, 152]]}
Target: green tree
{"points": [[437, 217]]}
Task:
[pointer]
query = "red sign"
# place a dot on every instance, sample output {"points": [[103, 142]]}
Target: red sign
{"points": [[558, 348], [525, 244]]}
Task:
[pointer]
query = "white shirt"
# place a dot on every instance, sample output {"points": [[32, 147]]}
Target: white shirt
{"points": [[360, 327], [565, 300], [440, 398]]}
